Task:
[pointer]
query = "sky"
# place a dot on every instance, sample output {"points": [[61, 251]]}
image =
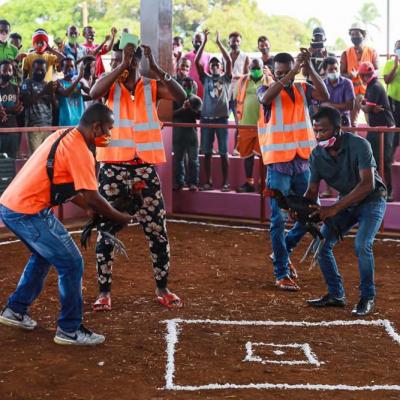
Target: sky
{"points": [[337, 16]]}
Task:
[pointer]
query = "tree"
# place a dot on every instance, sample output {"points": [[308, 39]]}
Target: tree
{"points": [[368, 14]]}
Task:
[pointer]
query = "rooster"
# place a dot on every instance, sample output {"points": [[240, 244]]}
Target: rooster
{"points": [[126, 202], [301, 207]]}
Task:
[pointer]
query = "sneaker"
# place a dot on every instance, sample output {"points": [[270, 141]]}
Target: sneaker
{"points": [[81, 337], [11, 318], [235, 153], [363, 307], [193, 188], [287, 283], [327, 301], [246, 188]]}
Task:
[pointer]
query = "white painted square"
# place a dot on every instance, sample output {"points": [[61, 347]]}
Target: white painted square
{"points": [[304, 349], [174, 326]]}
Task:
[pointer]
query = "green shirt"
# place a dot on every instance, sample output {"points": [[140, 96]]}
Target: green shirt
{"points": [[394, 86], [8, 51], [251, 106]]}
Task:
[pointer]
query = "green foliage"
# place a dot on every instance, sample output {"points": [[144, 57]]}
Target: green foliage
{"points": [[368, 14]]}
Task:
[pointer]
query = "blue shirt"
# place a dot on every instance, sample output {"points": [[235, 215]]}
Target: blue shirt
{"points": [[70, 108], [75, 53]]}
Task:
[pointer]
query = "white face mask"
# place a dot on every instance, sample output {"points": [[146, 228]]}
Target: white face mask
{"points": [[4, 37], [326, 144], [333, 76]]}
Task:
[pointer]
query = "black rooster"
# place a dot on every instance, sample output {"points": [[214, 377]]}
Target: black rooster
{"points": [[301, 207], [126, 202]]}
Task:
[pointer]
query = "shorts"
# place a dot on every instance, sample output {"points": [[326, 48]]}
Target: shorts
{"points": [[248, 144]]}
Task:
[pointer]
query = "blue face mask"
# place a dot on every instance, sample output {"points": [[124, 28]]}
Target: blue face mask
{"points": [[70, 74]]}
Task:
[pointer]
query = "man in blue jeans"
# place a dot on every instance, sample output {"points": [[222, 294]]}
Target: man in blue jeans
{"points": [[346, 163], [63, 167]]}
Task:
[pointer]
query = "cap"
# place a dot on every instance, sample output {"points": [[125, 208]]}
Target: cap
{"points": [[215, 58], [318, 31], [358, 26], [366, 67], [40, 35]]}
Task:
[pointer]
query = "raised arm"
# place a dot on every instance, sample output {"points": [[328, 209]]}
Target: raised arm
{"points": [[66, 92], [167, 87], [197, 59], [225, 54]]}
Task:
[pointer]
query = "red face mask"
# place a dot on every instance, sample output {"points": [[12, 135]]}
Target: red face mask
{"points": [[40, 48], [102, 141]]}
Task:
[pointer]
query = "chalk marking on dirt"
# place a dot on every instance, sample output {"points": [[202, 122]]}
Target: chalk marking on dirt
{"points": [[311, 358], [172, 340]]}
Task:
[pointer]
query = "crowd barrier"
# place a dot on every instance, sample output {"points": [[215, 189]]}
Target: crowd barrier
{"points": [[381, 131]]}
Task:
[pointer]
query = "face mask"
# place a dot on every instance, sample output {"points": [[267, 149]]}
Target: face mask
{"points": [[356, 41], [70, 74], [256, 74], [72, 39], [265, 50], [326, 144], [234, 46], [333, 76], [178, 49], [103, 140], [38, 76], [397, 52], [196, 46], [4, 37], [90, 37], [5, 78]]}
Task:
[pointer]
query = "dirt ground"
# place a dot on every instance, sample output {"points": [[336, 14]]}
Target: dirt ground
{"points": [[222, 274]]}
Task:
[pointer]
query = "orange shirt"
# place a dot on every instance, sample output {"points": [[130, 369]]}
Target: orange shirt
{"points": [[29, 192]]}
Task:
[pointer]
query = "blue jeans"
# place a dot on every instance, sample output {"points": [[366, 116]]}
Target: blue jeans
{"points": [[185, 141], [369, 216], [281, 245], [50, 244], [208, 135]]}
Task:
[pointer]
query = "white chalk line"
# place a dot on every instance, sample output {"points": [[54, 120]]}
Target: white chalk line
{"points": [[172, 339], [311, 358]]}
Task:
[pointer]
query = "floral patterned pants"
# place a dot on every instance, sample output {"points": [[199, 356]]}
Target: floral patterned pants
{"points": [[118, 178]]}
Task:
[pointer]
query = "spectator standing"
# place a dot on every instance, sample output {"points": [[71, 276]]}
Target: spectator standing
{"points": [[100, 50], [350, 61], [10, 107], [42, 50], [7, 50], [391, 74], [240, 67], [215, 110], [318, 50], [197, 41], [88, 80], [185, 139], [177, 48], [264, 46], [286, 140], [377, 107], [247, 114], [69, 94], [72, 48], [38, 98]]}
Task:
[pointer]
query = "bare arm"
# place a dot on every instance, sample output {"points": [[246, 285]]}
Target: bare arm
{"points": [[59, 55], [312, 191], [227, 57], [320, 91], [347, 105], [111, 42], [66, 92], [391, 75], [246, 67], [199, 67]]}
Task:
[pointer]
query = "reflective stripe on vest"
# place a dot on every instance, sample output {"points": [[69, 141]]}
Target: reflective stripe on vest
{"points": [[121, 143], [288, 146], [152, 124]]}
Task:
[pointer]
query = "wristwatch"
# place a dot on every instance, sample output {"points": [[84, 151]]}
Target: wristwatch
{"points": [[167, 77]]}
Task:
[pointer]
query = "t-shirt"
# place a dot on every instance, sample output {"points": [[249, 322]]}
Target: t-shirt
{"points": [[70, 108], [376, 93], [251, 106], [29, 192], [89, 49], [8, 51], [76, 53], [50, 59], [8, 99], [215, 98], [40, 113], [393, 89], [342, 172], [205, 59]]}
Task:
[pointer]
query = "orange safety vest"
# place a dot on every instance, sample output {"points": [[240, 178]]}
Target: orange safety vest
{"points": [[289, 131], [137, 129], [241, 94], [353, 63]]}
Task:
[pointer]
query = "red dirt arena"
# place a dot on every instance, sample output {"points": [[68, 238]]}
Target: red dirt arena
{"points": [[237, 337]]}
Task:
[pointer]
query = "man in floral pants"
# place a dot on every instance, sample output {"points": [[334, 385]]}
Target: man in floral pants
{"points": [[135, 147]]}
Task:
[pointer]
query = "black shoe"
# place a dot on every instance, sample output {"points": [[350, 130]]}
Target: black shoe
{"points": [[364, 307], [246, 188], [327, 301]]}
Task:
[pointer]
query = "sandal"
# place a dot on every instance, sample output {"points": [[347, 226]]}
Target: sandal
{"points": [[102, 303], [226, 188], [170, 300]]}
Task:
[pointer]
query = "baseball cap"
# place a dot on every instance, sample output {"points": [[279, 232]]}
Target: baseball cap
{"points": [[215, 58], [318, 31]]}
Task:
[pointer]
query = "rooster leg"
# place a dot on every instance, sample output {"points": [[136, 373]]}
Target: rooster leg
{"points": [[119, 246], [316, 253]]}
